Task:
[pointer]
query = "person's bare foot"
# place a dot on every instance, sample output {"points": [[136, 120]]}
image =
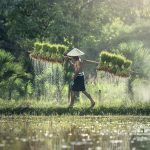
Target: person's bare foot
{"points": [[92, 104]]}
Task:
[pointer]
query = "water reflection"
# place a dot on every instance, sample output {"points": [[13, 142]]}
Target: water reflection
{"points": [[74, 133]]}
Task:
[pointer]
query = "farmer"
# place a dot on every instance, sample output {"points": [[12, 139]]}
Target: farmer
{"points": [[77, 83]]}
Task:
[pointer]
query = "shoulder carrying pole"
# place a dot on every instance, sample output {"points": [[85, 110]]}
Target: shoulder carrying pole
{"points": [[91, 61]]}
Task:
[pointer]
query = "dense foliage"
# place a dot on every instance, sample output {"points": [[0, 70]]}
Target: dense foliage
{"points": [[14, 81], [91, 25]]}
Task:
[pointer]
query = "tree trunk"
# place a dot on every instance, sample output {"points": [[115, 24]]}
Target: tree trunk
{"points": [[9, 93], [130, 88], [69, 93]]}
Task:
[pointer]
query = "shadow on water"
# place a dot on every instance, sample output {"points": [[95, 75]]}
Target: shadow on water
{"points": [[74, 133]]}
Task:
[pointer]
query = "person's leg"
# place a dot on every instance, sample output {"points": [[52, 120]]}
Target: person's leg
{"points": [[69, 94], [72, 98], [89, 97]]}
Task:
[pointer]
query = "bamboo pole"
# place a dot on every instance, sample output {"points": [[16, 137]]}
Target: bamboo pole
{"points": [[91, 61], [87, 60]]}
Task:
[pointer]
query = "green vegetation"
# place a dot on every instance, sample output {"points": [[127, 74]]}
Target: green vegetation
{"points": [[35, 84], [44, 107], [115, 64], [14, 81], [90, 25], [49, 52]]}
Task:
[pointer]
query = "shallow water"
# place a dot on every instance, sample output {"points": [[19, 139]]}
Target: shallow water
{"points": [[75, 133]]}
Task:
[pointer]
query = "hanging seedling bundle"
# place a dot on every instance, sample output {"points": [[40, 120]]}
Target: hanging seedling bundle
{"points": [[48, 52], [114, 64]]}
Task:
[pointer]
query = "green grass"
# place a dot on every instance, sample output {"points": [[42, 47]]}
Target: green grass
{"points": [[44, 107]]}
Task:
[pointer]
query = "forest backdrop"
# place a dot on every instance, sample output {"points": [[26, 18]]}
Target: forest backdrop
{"points": [[121, 27]]}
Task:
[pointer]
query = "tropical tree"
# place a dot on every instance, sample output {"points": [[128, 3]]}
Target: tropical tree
{"points": [[14, 81], [140, 57]]}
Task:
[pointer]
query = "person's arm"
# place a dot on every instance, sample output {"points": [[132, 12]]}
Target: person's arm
{"points": [[69, 60], [77, 69], [71, 63]]}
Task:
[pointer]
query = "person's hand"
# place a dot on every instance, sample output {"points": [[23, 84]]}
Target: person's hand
{"points": [[66, 57], [73, 77]]}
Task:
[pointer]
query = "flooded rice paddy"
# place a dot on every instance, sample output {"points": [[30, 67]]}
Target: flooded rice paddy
{"points": [[75, 133]]}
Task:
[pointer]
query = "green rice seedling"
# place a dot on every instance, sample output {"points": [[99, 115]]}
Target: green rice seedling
{"points": [[53, 48], [114, 63], [105, 57], [49, 52], [62, 49], [38, 46], [127, 63], [46, 47], [120, 61]]}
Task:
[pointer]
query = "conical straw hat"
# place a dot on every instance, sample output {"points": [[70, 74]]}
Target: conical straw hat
{"points": [[75, 52]]}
